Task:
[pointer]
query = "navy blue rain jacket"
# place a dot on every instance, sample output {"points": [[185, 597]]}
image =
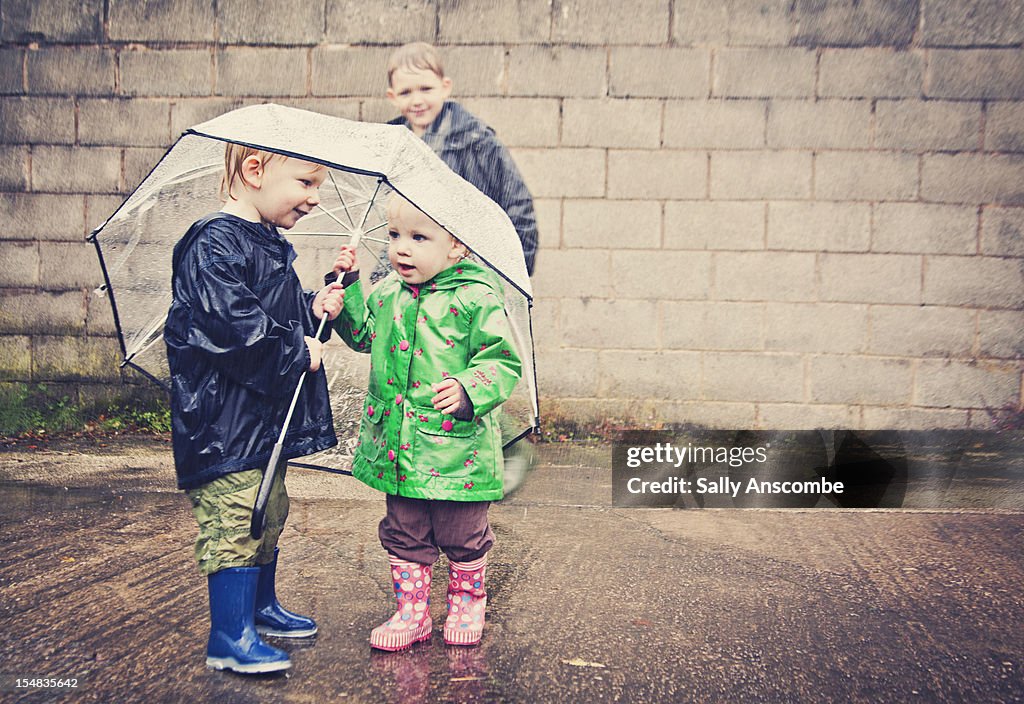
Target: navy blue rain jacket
{"points": [[470, 148], [236, 349]]}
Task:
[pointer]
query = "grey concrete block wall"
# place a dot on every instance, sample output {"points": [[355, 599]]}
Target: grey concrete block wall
{"points": [[753, 212]]}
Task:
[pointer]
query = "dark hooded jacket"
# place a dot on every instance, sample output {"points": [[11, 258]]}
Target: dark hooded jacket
{"points": [[471, 149], [235, 336]]}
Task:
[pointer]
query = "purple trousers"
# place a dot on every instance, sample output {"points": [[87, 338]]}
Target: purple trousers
{"points": [[418, 530]]}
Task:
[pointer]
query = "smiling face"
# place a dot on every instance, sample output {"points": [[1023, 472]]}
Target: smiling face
{"points": [[419, 94], [276, 190], [419, 249]]}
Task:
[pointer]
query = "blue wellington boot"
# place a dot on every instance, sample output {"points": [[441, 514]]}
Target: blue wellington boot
{"points": [[234, 643], [272, 619]]}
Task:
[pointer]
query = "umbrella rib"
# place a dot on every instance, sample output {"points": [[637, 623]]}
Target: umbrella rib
{"points": [[160, 321], [341, 198]]}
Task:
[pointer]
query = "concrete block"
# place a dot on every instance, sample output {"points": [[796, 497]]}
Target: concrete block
{"points": [[636, 174], [13, 168], [609, 324], [855, 22], [707, 414], [630, 374], [973, 178], [271, 21], [568, 373], [611, 123], [649, 72], [1004, 127], [19, 264], [347, 109], [661, 275], [549, 221], [760, 175], [12, 71], [746, 376], [36, 216], [262, 71], [1001, 334], [1002, 232], [732, 22], [52, 21], [612, 224], [811, 416], [823, 124], [945, 384], [376, 110], [875, 418], [870, 278], [98, 208], [819, 226], [976, 74], [697, 325], [715, 225], [75, 358], [763, 276], [860, 380], [41, 313], [124, 122], [138, 162], [76, 169], [933, 125], [573, 274], [973, 23], [639, 22], [715, 124], [547, 333], [189, 112], [79, 70], [476, 70], [348, 71], [921, 331], [69, 266], [559, 72], [925, 228], [871, 73], [37, 120], [764, 73], [985, 282], [846, 176], [185, 72], [99, 319], [816, 327], [15, 358], [381, 21], [562, 173], [524, 22], [161, 21], [519, 122]]}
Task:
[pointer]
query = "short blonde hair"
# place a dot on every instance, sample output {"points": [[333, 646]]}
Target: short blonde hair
{"points": [[416, 55], [234, 156]]}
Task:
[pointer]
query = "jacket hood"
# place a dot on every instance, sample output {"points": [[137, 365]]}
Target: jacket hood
{"points": [[461, 274], [456, 127]]}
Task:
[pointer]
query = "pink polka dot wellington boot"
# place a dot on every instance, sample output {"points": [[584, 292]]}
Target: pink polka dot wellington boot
{"points": [[467, 601], [411, 623]]}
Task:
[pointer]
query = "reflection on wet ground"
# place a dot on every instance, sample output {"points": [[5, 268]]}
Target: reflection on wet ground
{"points": [[586, 602]]}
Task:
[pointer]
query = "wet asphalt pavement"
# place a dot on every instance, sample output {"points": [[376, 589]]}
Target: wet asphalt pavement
{"points": [[587, 603]]}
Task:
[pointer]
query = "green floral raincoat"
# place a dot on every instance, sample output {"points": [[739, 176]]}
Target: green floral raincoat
{"points": [[452, 326]]}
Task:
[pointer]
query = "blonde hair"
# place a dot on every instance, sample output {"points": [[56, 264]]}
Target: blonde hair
{"points": [[234, 156], [416, 55]]}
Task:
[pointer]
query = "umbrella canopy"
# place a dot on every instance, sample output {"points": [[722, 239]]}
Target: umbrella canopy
{"points": [[366, 162]]}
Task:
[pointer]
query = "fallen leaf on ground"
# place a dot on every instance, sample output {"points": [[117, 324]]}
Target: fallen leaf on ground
{"points": [[579, 662]]}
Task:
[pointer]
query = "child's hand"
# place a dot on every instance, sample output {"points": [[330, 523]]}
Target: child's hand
{"points": [[346, 260], [316, 353], [450, 396], [330, 298]]}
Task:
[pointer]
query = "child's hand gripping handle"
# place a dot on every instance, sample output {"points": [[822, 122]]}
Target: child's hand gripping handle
{"points": [[259, 509]]}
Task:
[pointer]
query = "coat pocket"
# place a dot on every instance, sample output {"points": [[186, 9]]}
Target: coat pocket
{"points": [[445, 445], [371, 430]]}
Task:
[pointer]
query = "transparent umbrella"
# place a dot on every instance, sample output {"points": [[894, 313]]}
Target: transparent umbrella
{"points": [[366, 163]]}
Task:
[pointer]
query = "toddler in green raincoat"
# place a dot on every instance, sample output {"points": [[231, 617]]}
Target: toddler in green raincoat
{"points": [[442, 360]]}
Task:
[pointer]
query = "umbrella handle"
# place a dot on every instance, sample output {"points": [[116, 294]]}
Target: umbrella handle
{"points": [[259, 509]]}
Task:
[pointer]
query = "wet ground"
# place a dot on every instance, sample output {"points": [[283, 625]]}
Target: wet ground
{"points": [[588, 603]]}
